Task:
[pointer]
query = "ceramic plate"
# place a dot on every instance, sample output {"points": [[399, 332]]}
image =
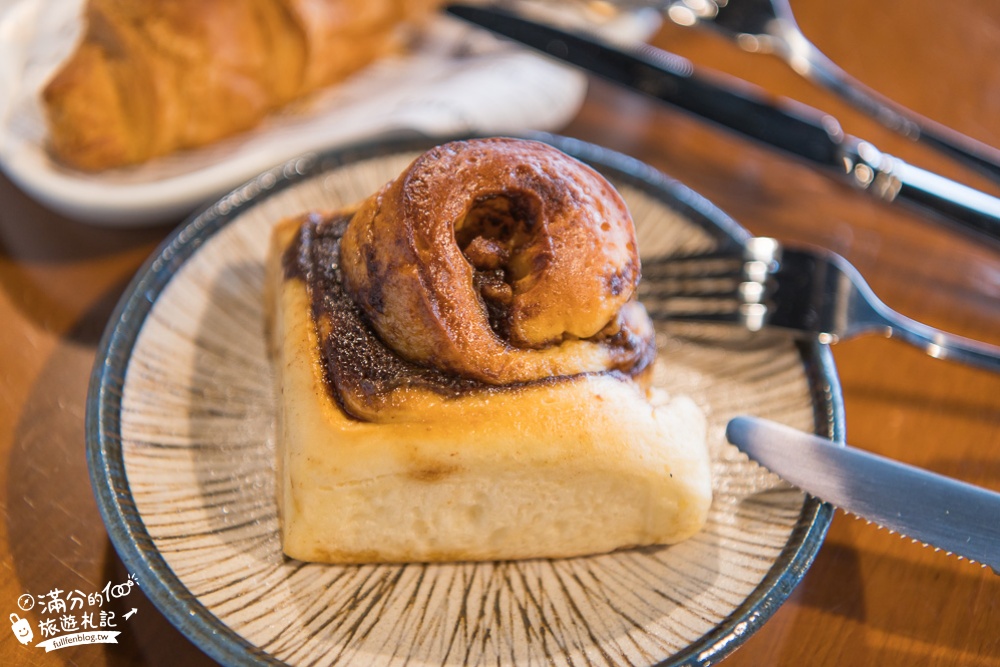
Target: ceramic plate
{"points": [[454, 79], [181, 447]]}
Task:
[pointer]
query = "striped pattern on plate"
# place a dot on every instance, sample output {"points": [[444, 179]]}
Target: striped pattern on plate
{"points": [[182, 426]]}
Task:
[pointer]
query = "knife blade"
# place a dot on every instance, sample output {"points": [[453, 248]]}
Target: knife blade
{"points": [[793, 128], [942, 512]]}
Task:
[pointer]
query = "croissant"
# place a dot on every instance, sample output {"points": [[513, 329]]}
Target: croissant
{"points": [[150, 78], [464, 370]]}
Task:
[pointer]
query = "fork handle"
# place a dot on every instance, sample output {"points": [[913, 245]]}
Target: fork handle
{"points": [[940, 344], [959, 147]]}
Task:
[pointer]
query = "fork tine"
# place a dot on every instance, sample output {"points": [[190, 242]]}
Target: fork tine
{"points": [[707, 265], [707, 276], [699, 287], [710, 276], [730, 287], [727, 317]]}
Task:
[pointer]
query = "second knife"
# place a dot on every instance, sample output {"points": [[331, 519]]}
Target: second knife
{"points": [[793, 128]]}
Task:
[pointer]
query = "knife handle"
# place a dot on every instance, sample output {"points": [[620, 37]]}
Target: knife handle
{"points": [[890, 178], [794, 128], [804, 132]]}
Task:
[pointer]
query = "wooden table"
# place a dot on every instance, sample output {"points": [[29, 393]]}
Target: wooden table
{"points": [[870, 597]]}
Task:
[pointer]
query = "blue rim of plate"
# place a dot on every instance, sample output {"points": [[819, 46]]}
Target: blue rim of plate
{"points": [[104, 401]]}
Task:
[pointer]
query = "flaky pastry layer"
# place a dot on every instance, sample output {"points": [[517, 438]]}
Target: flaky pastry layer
{"points": [[149, 78]]}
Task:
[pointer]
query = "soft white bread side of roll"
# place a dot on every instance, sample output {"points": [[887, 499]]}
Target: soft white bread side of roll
{"points": [[575, 466]]}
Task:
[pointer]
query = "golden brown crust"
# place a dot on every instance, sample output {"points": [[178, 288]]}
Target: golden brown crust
{"points": [[151, 77], [501, 260]]}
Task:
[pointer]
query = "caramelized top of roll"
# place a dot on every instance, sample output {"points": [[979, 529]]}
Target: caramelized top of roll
{"points": [[500, 261]]}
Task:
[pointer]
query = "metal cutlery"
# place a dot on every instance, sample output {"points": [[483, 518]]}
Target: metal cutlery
{"points": [[768, 26], [809, 293], [954, 516], [795, 129]]}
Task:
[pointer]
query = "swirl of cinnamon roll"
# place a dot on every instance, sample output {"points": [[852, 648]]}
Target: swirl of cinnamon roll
{"points": [[500, 261]]}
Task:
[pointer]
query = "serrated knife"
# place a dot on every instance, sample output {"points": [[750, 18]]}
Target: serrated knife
{"points": [[793, 128], [945, 513]]}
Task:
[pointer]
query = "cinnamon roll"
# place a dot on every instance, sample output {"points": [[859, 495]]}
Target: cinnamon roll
{"points": [[464, 370]]}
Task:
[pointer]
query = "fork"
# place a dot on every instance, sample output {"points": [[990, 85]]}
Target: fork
{"points": [[809, 293], [768, 26]]}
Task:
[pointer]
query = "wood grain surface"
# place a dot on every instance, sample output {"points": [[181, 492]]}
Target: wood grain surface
{"points": [[870, 597]]}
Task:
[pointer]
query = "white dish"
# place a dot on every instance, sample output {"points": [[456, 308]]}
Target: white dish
{"points": [[180, 445], [456, 80]]}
